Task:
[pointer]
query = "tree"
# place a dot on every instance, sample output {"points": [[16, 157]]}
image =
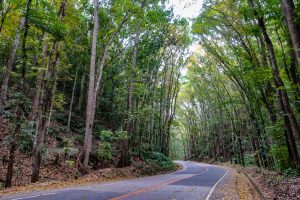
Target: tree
{"points": [[91, 95], [11, 59]]}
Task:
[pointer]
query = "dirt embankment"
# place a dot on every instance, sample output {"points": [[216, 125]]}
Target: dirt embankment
{"points": [[272, 185]]}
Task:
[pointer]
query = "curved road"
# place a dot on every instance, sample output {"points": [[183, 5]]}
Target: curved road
{"points": [[194, 181]]}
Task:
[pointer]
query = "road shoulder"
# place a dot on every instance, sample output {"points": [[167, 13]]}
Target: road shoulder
{"points": [[234, 186]]}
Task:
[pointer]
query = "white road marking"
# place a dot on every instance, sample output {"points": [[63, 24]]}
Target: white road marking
{"points": [[87, 187], [33, 196], [213, 188]]}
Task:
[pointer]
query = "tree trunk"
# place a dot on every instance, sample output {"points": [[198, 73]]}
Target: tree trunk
{"points": [[294, 74], [12, 55], [10, 167], [38, 147], [81, 89], [39, 81], [290, 16], [90, 105], [15, 139], [52, 99], [130, 101], [290, 140], [24, 55], [45, 104], [280, 87], [9, 65], [1, 5], [72, 100]]}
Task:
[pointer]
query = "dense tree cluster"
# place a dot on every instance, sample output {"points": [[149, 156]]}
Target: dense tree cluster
{"points": [[104, 74], [240, 100]]}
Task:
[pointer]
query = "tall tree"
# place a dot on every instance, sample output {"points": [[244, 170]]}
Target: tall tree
{"points": [[290, 16], [11, 58], [91, 93]]}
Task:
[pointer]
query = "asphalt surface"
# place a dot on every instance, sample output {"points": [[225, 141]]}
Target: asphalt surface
{"points": [[194, 182]]}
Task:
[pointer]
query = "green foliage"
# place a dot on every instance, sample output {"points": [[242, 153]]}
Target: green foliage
{"points": [[109, 136], [104, 151], [26, 139], [70, 163], [79, 138], [66, 148], [249, 160], [61, 118], [59, 101], [106, 135], [48, 23], [289, 172], [158, 161], [281, 158], [277, 131], [107, 148], [121, 135]]}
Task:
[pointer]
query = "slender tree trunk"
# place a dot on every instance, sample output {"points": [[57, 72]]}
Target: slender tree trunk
{"points": [[72, 100], [81, 89], [39, 81], [12, 55], [13, 147], [124, 161], [9, 65], [10, 167], [94, 86], [294, 74], [290, 15], [280, 87], [90, 102], [1, 5], [38, 147], [20, 107], [290, 140], [45, 104], [24, 55], [52, 98]]}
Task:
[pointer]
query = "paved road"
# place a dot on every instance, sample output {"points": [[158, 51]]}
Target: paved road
{"points": [[195, 181]]}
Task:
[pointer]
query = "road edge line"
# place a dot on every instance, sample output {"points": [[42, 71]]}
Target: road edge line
{"points": [[34, 196], [214, 187]]}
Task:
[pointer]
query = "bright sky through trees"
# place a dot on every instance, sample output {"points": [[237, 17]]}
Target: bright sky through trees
{"points": [[187, 8]]}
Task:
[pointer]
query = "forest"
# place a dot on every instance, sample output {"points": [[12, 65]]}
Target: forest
{"points": [[87, 85], [239, 101]]}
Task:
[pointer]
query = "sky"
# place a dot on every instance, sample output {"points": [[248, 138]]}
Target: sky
{"points": [[186, 8]]}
